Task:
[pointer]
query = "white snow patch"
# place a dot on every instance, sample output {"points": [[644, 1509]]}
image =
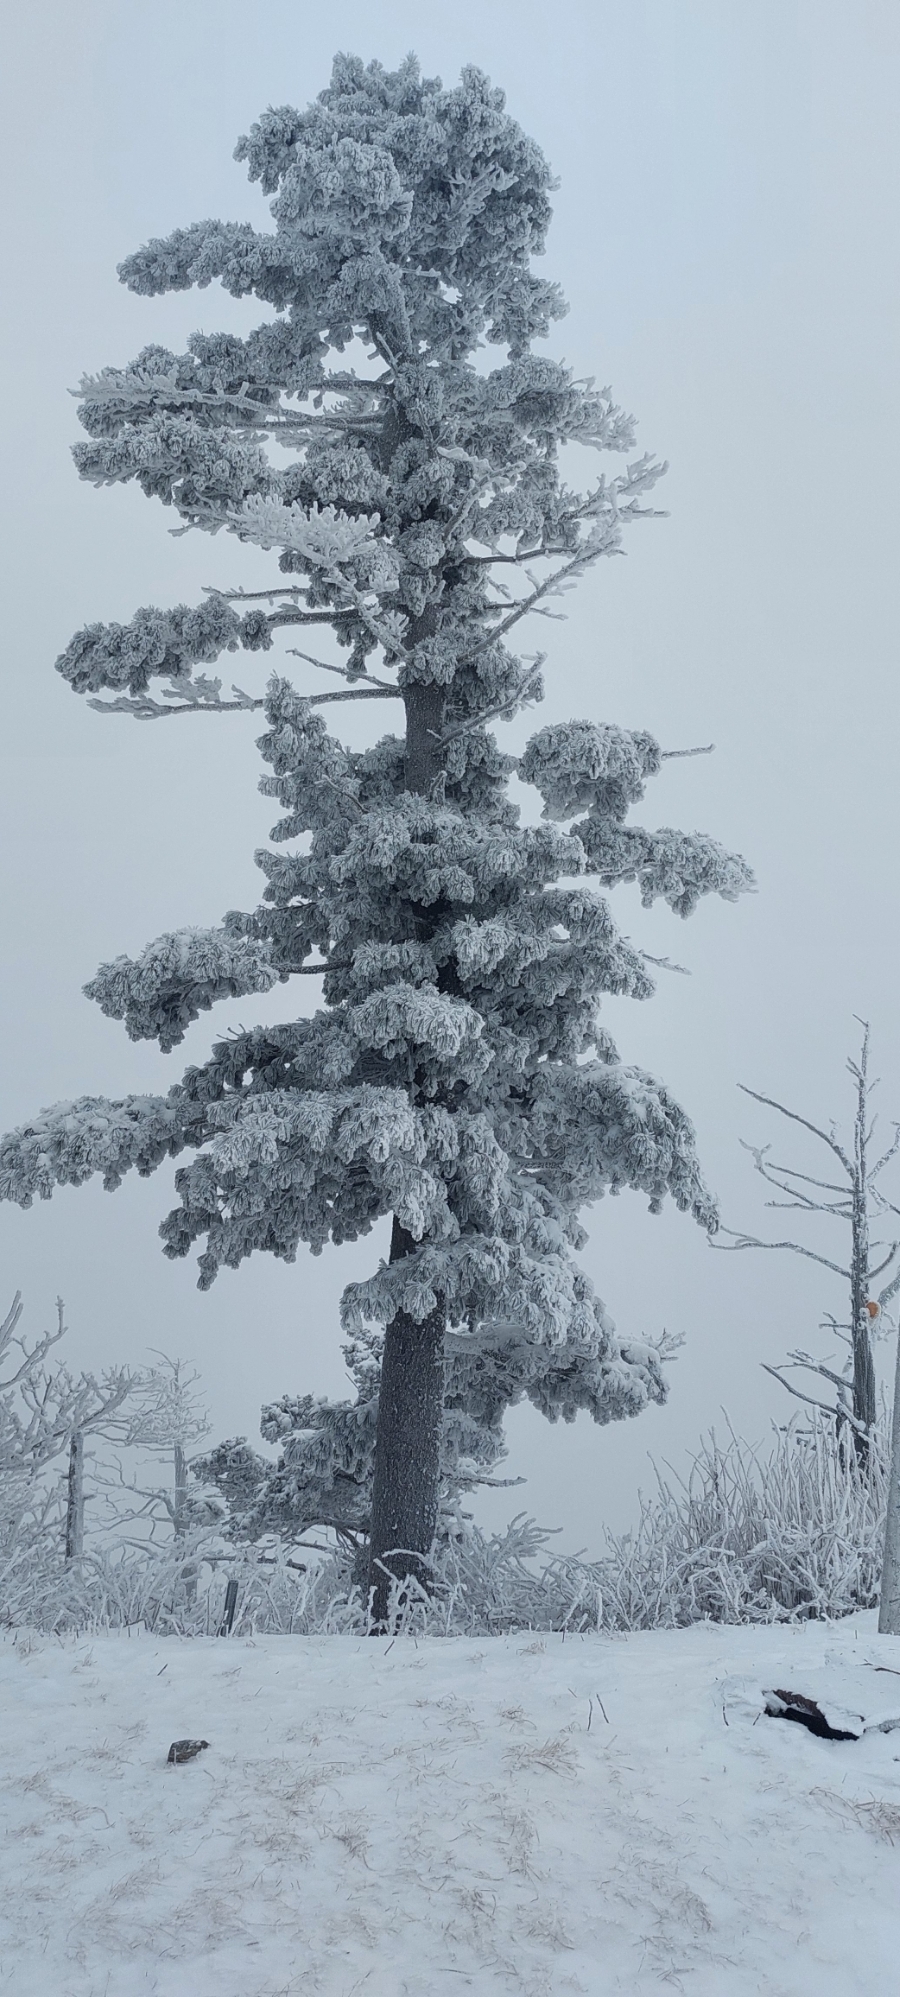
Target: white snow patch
{"points": [[515, 1814]]}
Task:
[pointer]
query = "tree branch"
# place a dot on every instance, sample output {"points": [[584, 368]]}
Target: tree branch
{"points": [[39, 1352], [887, 1156], [844, 1413], [788, 1172], [318, 970], [494, 713], [145, 709], [831, 1141], [750, 1241], [881, 1266], [580, 561], [344, 672]]}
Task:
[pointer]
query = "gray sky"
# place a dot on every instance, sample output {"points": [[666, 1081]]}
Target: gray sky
{"points": [[725, 231]]}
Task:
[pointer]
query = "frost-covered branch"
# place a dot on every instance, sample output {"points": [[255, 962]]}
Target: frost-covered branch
{"points": [[145, 709], [796, 1247], [827, 1137]]}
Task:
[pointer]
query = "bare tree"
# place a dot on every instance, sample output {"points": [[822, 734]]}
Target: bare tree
{"points": [[44, 1413], [854, 1197], [168, 1417]]}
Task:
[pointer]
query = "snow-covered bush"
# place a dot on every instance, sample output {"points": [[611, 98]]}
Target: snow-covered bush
{"points": [[748, 1536]]}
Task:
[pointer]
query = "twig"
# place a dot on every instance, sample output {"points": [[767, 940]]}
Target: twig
{"points": [[664, 964], [344, 672], [152, 710]]}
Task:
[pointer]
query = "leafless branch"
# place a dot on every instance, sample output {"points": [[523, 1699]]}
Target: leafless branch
{"points": [[811, 1365], [146, 709], [788, 1172], [664, 963], [750, 1241], [255, 595], [826, 1138], [886, 1156], [318, 970], [845, 1415], [344, 672], [539, 590], [881, 1266], [518, 699], [33, 1358]]}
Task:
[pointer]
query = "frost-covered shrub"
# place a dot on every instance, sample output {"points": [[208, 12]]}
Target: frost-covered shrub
{"points": [[748, 1537], [45, 1414]]}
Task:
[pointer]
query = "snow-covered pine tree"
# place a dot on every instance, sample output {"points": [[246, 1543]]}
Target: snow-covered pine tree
{"points": [[456, 1077]]}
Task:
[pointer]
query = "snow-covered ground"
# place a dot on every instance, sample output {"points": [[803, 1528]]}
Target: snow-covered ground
{"points": [[515, 1814]]}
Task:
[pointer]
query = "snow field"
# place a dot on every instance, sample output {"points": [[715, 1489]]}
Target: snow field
{"points": [[512, 1814]]}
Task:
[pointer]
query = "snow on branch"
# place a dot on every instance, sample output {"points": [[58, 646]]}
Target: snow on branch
{"points": [[71, 1142], [180, 975]]}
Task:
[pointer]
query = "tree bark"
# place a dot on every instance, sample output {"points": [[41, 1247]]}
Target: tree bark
{"points": [[889, 1610], [424, 725], [181, 1491], [75, 1499], [861, 1334], [406, 1483]]}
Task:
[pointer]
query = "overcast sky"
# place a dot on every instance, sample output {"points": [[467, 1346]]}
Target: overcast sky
{"points": [[725, 230]]}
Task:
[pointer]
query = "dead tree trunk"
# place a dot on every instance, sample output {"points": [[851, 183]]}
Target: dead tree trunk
{"points": [[889, 1610], [861, 1323], [180, 1520], [180, 1499], [853, 1196], [75, 1498]]}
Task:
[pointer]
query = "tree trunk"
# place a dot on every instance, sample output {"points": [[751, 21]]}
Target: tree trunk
{"points": [[406, 1484], [75, 1501], [889, 1611], [424, 726], [863, 1360], [180, 1521], [861, 1333], [181, 1489]]}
